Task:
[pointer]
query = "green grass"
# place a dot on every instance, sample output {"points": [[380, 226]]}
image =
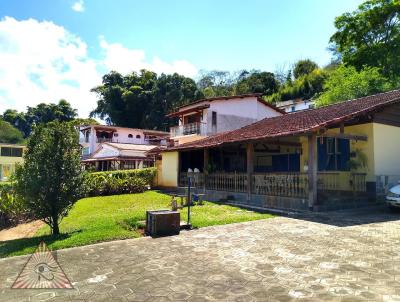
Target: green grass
{"points": [[108, 218]]}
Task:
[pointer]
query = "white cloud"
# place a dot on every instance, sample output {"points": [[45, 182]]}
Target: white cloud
{"points": [[43, 62], [124, 60], [78, 6]]}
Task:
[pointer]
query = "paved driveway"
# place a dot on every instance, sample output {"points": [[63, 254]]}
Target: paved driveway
{"points": [[335, 257]]}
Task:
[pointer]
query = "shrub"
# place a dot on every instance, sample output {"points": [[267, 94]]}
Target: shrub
{"points": [[119, 182], [11, 207]]}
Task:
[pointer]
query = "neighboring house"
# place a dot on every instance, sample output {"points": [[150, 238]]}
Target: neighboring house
{"points": [[10, 155], [113, 148], [219, 114], [338, 156], [295, 105]]}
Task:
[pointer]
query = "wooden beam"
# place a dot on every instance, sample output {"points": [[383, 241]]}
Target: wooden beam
{"points": [[250, 168], [312, 171], [354, 137]]}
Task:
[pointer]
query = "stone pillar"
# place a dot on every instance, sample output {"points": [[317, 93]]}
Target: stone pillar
{"points": [[250, 168], [312, 171]]}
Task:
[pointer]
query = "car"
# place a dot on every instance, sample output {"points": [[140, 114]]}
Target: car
{"points": [[393, 197]]}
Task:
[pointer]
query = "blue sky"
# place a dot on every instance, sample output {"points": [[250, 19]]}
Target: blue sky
{"points": [[169, 35]]}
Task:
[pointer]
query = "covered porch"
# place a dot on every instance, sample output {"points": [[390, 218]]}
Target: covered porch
{"points": [[309, 172]]}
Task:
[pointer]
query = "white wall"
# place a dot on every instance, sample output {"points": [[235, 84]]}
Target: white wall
{"points": [[123, 137], [237, 113]]}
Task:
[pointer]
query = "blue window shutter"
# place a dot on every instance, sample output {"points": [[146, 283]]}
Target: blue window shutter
{"points": [[344, 157]]}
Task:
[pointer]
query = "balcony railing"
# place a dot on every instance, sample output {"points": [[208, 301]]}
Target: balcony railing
{"points": [[187, 129], [103, 140]]}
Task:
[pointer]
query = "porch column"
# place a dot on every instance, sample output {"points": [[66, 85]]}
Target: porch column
{"points": [[250, 168], [206, 155], [312, 170]]}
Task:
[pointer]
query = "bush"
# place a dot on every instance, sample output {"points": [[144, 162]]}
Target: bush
{"points": [[11, 207], [119, 182]]}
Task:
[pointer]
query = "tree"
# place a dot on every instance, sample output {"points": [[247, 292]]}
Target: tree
{"points": [[370, 36], [304, 87], [347, 83], [141, 100], [257, 82], [304, 67], [42, 113], [51, 179], [9, 134]]}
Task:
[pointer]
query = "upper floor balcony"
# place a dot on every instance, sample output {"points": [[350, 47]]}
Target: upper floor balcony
{"points": [[197, 128]]}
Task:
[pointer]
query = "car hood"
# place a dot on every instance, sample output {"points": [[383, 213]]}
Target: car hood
{"points": [[395, 189]]}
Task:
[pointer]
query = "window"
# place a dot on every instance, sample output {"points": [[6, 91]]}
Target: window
{"points": [[115, 134], [214, 119], [11, 152], [333, 154], [130, 135], [138, 136]]}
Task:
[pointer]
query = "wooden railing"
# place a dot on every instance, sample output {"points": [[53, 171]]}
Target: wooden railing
{"points": [[289, 184], [197, 179], [358, 182], [233, 182], [281, 184], [328, 181], [342, 181]]}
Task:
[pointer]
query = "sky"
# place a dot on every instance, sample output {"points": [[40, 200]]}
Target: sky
{"points": [[60, 49]]}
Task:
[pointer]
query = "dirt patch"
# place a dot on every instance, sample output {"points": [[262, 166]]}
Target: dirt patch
{"points": [[23, 230]]}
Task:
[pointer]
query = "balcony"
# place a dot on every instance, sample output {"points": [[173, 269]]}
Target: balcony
{"points": [[188, 129], [103, 140]]}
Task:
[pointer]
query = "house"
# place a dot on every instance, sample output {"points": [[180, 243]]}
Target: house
{"points": [[117, 148], [295, 105], [338, 156], [219, 114], [10, 155]]}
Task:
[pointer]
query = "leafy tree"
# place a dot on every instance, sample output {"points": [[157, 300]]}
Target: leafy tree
{"points": [[347, 83], [223, 83], [51, 180], [304, 87], [257, 82], [141, 100], [42, 113], [370, 36], [304, 67], [9, 134]]}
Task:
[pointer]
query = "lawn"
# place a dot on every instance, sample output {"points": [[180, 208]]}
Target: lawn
{"points": [[115, 217]]}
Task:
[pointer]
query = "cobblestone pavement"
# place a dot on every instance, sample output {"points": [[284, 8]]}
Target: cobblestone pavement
{"points": [[335, 257]]}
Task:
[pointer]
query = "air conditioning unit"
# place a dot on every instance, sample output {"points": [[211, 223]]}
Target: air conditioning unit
{"points": [[162, 223]]}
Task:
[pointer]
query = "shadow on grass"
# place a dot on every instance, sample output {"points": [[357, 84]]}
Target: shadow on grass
{"points": [[28, 245]]}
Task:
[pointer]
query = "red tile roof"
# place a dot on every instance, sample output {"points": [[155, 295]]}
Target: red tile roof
{"points": [[298, 122]]}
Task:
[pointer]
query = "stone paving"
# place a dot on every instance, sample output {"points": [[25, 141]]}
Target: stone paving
{"points": [[333, 257]]}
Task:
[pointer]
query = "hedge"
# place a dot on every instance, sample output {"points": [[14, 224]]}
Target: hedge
{"points": [[119, 182]]}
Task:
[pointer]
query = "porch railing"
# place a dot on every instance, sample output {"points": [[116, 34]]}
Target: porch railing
{"points": [[290, 184], [342, 181], [233, 182], [281, 184]]}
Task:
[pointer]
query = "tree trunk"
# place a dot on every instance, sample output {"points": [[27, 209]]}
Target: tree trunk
{"points": [[54, 227]]}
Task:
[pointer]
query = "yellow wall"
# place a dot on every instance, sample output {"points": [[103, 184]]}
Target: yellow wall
{"points": [[169, 169], [8, 161], [367, 147], [387, 149]]}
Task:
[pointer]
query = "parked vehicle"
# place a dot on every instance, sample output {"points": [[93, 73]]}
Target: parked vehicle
{"points": [[393, 197]]}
